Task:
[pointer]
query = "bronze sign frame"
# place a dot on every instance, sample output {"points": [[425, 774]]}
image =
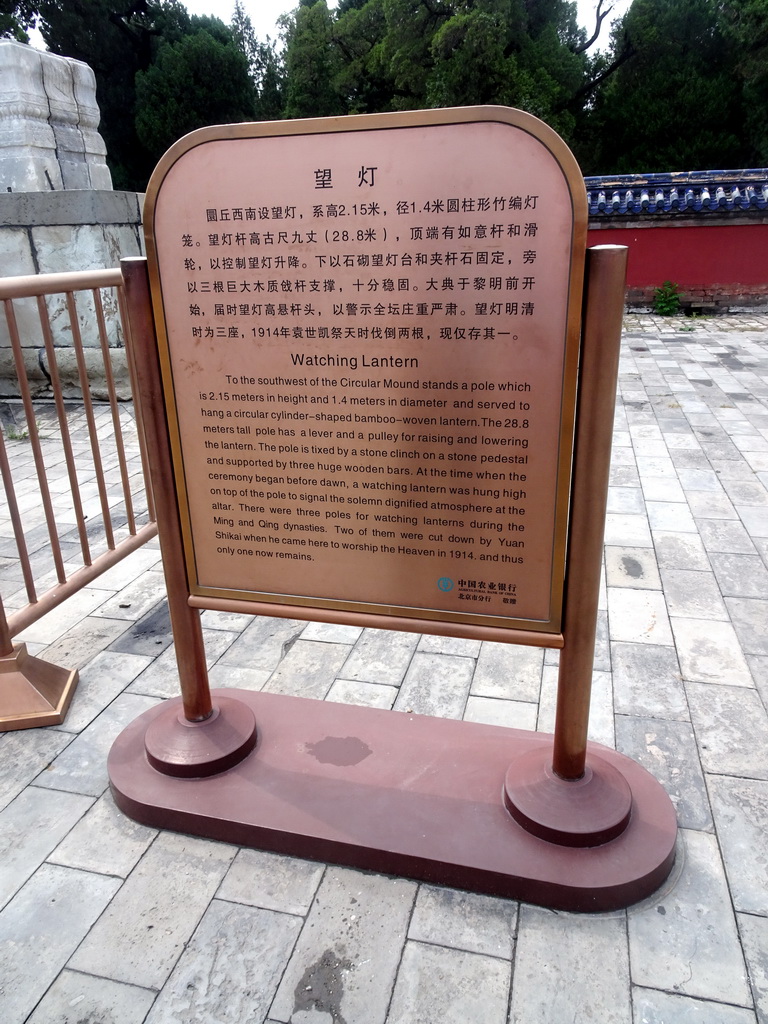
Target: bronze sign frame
{"points": [[545, 628]]}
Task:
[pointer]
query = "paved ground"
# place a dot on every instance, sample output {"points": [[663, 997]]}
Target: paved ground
{"points": [[107, 921]]}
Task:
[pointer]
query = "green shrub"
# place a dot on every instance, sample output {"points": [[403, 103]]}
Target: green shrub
{"points": [[666, 299]]}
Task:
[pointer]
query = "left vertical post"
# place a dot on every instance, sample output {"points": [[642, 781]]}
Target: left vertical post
{"points": [[225, 729]]}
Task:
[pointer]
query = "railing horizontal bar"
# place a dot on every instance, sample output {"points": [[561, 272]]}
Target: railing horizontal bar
{"points": [[48, 284]]}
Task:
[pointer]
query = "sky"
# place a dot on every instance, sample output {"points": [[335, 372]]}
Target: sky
{"points": [[264, 13]]}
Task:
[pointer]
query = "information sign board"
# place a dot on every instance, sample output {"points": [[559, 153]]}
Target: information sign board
{"points": [[369, 337]]}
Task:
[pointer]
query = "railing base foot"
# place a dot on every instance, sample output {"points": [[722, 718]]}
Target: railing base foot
{"points": [[33, 692]]}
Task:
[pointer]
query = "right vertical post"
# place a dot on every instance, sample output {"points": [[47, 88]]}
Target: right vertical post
{"points": [[598, 372]]}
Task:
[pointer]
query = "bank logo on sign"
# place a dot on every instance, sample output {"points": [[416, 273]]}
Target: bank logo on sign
{"points": [[445, 583]]}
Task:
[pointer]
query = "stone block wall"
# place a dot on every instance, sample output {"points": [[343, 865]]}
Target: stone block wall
{"points": [[59, 232]]}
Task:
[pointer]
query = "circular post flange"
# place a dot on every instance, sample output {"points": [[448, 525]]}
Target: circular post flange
{"points": [[195, 750], [581, 812]]}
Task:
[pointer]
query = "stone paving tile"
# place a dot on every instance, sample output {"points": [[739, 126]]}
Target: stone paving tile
{"points": [[740, 807], [150, 634], [508, 671], [83, 641], [161, 677], [725, 535], [680, 551], [464, 920], [140, 935], [731, 726], [309, 669], [632, 567], [332, 634], [684, 939], [709, 652], [740, 575], [30, 827], [230, 968], [102, 679], [75, 998], [651, 1007], [512, 714], [381, 656], [57, 622], [372, 695], [693, 594], [638, 616], [263, 643], [754, 936], [82, 767], [271, 881], [436, 684], [647, 681], [551, 986], [104, 840], [448, 645], [60, 904], [137, 599], [668, 750], [130, 569], [348, 953], [436, 985], [23, 755]]}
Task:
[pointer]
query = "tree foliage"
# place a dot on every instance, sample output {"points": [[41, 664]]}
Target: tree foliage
{"points": [[684, 84], [199, 80]]}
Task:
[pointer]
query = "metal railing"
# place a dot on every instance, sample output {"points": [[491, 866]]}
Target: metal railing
{"points": [[73, 469]]}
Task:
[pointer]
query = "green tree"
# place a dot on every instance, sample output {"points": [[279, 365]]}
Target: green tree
{"points": [[195, 82], [746, 27], [117, 38], [15, 18], [312, 63], [264, 65], [676, 102]]}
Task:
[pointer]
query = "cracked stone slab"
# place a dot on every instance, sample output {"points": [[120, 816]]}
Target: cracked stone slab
{"points": [[508, 671], [145, 928], [464, 920], [76, 997], [684, 939], [346, 958], [60, 904], [82, 767], [436, 985], [731, 726], [263, 643], [709, 652], [436, 684], [30, 828], [740, 807], [653, 1007], [754, 935], [555, 967], [668, 750], [104, 840], [231, 967], [309, 669], [381, 656], [271, 881], [647, 682]]}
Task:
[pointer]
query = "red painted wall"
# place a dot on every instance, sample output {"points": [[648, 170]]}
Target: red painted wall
{"points": [[729, 258]]}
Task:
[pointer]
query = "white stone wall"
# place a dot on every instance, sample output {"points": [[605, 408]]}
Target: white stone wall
{"points": [[48, 123], [58, 232]]}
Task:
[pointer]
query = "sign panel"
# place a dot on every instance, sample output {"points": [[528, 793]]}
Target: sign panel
{"points": [[369, 337]]}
